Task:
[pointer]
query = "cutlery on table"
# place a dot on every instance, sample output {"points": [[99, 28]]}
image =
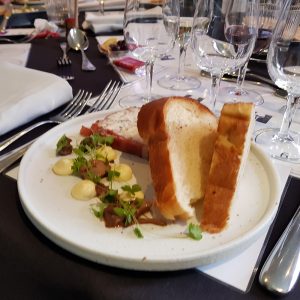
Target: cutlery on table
{"points": [[7, 14], [103, 102], [78, 40], [64, 60], [73, 109], [281, 269]]}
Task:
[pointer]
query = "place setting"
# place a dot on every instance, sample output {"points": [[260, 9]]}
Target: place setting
{"points": [[133, 191]]}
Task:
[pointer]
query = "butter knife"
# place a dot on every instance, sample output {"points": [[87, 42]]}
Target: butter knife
{"points": [[11, 157], [281, 269]]}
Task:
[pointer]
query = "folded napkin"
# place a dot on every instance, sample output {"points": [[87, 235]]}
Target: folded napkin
{"points": [[111, 21], [98, 22], [95, 4], [27, 94]]}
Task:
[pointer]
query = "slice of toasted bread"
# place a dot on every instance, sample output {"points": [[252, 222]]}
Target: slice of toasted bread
{"points": [[180, 133], [229, 158]]}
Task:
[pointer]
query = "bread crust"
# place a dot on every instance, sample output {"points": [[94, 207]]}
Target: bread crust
{"points": [[235, 122], [152, 128]]}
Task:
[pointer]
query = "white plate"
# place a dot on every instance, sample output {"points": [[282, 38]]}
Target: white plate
{"points": [[46, 200]]}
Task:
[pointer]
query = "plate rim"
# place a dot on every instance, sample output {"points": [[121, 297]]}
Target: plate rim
{"points": [[191, 259]]}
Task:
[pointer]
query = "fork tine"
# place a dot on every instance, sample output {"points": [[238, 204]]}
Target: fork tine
{"points": [[107, 97], [110, 97], [78, 109], [71, 103], [100, 98]]}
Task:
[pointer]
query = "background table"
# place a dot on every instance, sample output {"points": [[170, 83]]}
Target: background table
{"points": [[32, 267]]}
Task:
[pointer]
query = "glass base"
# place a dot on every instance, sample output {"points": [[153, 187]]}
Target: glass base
{"points": [[232, 94], [137, 100], [179, 83], [282, 147]]}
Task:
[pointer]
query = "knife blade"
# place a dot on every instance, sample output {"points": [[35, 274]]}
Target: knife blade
{"points": [[11, 157], [281, 269]]}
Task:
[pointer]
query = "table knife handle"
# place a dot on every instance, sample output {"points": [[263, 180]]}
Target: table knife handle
{"points": [[281, 269]]}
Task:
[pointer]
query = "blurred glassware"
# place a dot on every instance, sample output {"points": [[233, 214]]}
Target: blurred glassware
{"points": [[101, 6], [221, 39], [60, 11], [149, 32], [283, 62], [179, 81], [268, 15]]}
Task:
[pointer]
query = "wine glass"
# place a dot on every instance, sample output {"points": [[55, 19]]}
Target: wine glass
{"points": [[149, 30], [283, 61], [179, 81], [268, 15], [101, 6], [223, 37]]}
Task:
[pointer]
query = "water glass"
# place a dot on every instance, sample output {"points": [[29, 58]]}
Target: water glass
{"points": [[59, 10]]}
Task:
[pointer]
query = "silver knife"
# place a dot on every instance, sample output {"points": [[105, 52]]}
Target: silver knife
{"points": [[6, 160], [281, 269]]}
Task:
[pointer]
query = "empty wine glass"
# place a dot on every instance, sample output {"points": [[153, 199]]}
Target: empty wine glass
{"points": [[223, 37], [283, 62], [149, 30], [179, 81], [268, 15]]}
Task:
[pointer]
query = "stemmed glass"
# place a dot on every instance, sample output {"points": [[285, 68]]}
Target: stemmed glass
{"points": [[223, 37], [149, 30], [179, 81], [283, 62], [268, 15]]}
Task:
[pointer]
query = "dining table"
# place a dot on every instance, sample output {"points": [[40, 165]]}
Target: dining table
{"points": [[33, 267]]}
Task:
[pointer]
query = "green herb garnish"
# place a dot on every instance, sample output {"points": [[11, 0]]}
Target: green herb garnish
{"points": [[138, 232], [194, 231], [63, 142], [131, 189]]}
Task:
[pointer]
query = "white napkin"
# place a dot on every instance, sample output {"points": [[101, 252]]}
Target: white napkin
{"points": [[110, 21], [98, 23], [27, 94], [95, 4]]}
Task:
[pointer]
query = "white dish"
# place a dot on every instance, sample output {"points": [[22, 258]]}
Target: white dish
{"points": [[47, 202]]}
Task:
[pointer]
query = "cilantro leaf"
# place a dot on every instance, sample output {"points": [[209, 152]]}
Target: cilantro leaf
{"points": [[194, 231], [98, 210], [131, 189], [138, 232]]}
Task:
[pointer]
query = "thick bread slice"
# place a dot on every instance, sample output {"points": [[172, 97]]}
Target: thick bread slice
{"points": [[180, 133], [229, 158]]}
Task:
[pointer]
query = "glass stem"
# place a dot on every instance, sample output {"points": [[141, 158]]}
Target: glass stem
{"points": [[241, 79], [288, 116], [181, 61], [149, 78], [214, 90]]}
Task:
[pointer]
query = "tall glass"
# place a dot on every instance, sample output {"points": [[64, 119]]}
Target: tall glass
{"points": [[223, 37], [283, 62], [179, 81], [149, 30], [268, 15]]}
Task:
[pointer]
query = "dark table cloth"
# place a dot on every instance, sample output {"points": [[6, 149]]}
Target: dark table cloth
{"points": [[33, 267]]}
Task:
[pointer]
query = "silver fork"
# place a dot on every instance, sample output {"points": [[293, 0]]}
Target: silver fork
{"points": [[64, 60], [73, 109], [104, 101], [107, 97]]}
